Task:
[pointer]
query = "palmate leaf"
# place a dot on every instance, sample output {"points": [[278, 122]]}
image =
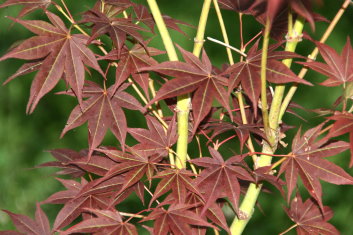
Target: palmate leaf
{"points": [[339, 68], [109, 221], [343, 124], [179, 181], [176, 220], [220, 178], [192, 75], [62, 53], [28, 5], [102, 110], [307, 161], [26, 225], [309, 217], [155, 140], [117, 28], [130, 60], [133, 165], [247, 73]]}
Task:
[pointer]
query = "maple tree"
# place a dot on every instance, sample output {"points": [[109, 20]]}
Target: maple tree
{"points": [[104, 57]]}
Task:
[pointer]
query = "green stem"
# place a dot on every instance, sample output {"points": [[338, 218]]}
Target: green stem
{"points": [[293, 38], [183, 102], [224, 31], [200, 35], [167, 41], [249, 201], [264, 104]]}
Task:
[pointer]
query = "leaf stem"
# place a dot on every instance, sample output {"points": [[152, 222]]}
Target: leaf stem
{"points": [[313, 55], [287, 230], [264, 104]]}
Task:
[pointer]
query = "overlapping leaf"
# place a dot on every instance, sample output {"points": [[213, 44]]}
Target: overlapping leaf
{"points": [[102, 110], [117, 28], [176, 220], [155, 140], [109, 221], [192, 75], [247, 73], [221, 178], [307, 161], [178, 181], [28, 6], [339, 68], [133, 165], [62, 53], [309, 217], [26, 225], [130, 60]]}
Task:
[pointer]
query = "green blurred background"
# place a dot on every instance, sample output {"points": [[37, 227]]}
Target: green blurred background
{"points": [[24, 139]]}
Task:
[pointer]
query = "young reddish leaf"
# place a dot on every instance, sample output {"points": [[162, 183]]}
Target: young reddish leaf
{"points": [[64, 54], [28, 6], [307, 161], [177, 220], [130, 62], [310, 219], [192, 75], [220, 178], [247, 73], [339, 68], [39, 226], [102, 110], [108, 221]]}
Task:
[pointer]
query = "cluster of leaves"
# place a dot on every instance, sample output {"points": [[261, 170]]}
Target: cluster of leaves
{"points": [[99, 179]]}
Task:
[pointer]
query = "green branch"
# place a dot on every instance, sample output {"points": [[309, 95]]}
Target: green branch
{"points": [[183, 102], [248, 204]]}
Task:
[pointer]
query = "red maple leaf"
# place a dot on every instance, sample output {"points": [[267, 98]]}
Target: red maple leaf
{"points": [[102, 110], [117, 28], [220, 178], [63, 53], [307, 161], [109, 221], [343, 124], [179, 181], [155, 140], [176, 220], [309, 218], [28, 6], [26, 225], [192, 75], [130, 60], [339, 68]]}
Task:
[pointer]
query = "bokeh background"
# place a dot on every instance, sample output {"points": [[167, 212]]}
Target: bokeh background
{"points": [[24, 139]]}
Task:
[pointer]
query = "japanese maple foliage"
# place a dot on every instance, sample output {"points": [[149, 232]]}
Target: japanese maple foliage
{"points": [[104, 57]]}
